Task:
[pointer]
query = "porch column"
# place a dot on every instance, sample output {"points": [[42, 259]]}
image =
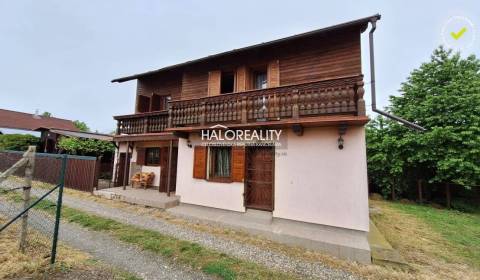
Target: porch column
{"points": [[125, 167], [169, 166]]}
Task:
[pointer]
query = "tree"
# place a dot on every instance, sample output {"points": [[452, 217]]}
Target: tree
{"points": [[442, 95], [85, 147], [17, 142], [47, 114], [81, 126]]}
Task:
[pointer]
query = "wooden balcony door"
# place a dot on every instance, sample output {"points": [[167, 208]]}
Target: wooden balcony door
{"points": [[259, 189]]}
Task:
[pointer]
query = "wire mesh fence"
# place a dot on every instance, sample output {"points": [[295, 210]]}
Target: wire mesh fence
{"points": [[30, 210]]}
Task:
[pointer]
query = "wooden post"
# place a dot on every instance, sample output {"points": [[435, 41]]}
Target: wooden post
{"points": [[29, 169], [169, 166], [124, 179], [116, 177], [420, 192], [448, 195], [244, 110], [360, 101], [203, 113], [295, 112]]}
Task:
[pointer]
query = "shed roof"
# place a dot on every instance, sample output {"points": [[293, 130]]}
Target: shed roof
{"points": [[362, 23], [19, 120], [83, 134]]}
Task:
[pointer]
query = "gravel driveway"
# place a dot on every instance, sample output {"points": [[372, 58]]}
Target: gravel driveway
{"points": [[108, 249], [268, 258]]}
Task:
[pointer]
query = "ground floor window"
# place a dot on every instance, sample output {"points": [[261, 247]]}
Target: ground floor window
{"points": [[220, 162], [152, 156]]}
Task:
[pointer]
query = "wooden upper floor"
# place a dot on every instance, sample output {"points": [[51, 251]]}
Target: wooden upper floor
{"points": [[311, 74]]}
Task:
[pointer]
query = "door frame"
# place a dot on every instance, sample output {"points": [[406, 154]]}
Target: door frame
{"points": [[246, 174]]}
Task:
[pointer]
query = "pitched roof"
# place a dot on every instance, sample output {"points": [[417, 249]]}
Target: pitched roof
{"points": [[19, 120], [362, 23]]}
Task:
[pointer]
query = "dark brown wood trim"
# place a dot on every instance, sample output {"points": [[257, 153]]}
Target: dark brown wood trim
{"points": [[332, 81], [306, 122]]}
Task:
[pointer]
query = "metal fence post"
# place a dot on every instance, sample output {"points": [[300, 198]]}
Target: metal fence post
{"points": [[59, 208]]}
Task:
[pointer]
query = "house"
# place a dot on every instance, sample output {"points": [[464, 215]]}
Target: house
{"points": [[37, 125], [276, 127]]}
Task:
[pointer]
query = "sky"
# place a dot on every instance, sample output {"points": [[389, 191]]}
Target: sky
{"points": [[59, 56]]}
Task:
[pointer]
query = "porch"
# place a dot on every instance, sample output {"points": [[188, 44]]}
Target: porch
{"points": [[149, 197]]}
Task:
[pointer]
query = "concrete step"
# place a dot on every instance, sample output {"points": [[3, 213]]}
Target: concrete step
{"points": [[151, 198], [259, 215]]}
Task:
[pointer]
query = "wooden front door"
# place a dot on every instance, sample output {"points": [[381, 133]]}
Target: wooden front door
{"points": [[122, 174], [259, 178], [164, 169]]}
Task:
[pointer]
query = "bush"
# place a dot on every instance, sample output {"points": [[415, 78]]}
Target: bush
{"points": [[18, 142]]}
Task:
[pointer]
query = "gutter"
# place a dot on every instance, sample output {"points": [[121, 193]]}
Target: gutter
{"points": [[406, 123]]}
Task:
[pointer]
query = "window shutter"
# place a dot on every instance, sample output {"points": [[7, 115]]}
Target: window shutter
{"points": [[241, 83], [238, 163], [200, 162], [214, 78], [273, 74], [143, 104], [156, 102], [141, 156]]}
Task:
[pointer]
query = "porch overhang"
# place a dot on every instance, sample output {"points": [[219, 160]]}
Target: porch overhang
{"points": [[321, 121], [145, 137]]}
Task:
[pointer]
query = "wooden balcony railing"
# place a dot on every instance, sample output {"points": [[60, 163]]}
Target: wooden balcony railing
{"points": [[341, 96], [337, 96], [142, 123]]}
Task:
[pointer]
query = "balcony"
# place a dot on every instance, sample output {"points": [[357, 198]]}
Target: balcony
{"points": [[334, 99], [151, 122]]}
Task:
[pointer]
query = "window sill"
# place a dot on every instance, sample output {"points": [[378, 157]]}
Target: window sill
{"points": [[220, 180]]}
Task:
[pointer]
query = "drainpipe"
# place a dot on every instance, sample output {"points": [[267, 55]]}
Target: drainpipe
{"points": [[408, 124]]}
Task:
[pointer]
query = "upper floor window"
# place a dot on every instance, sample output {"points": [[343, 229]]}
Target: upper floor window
{"points": [[152, 103], [260, 79], [227, 82], [143, 104], [159, 102]]}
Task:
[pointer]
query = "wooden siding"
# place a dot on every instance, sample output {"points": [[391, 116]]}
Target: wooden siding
{"points": [[328, 59], [327, 56], [194, 84]]}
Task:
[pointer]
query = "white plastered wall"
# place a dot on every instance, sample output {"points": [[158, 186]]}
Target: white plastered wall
{"points": [[315, 182], [227, 196], [318, 183]]}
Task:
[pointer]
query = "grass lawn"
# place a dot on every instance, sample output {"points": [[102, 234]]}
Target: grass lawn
{"points": [[436, 243], [462, 230], [35, 262]]}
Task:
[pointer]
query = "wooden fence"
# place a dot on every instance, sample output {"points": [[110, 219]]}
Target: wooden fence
{"points": [[82, 172]]}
